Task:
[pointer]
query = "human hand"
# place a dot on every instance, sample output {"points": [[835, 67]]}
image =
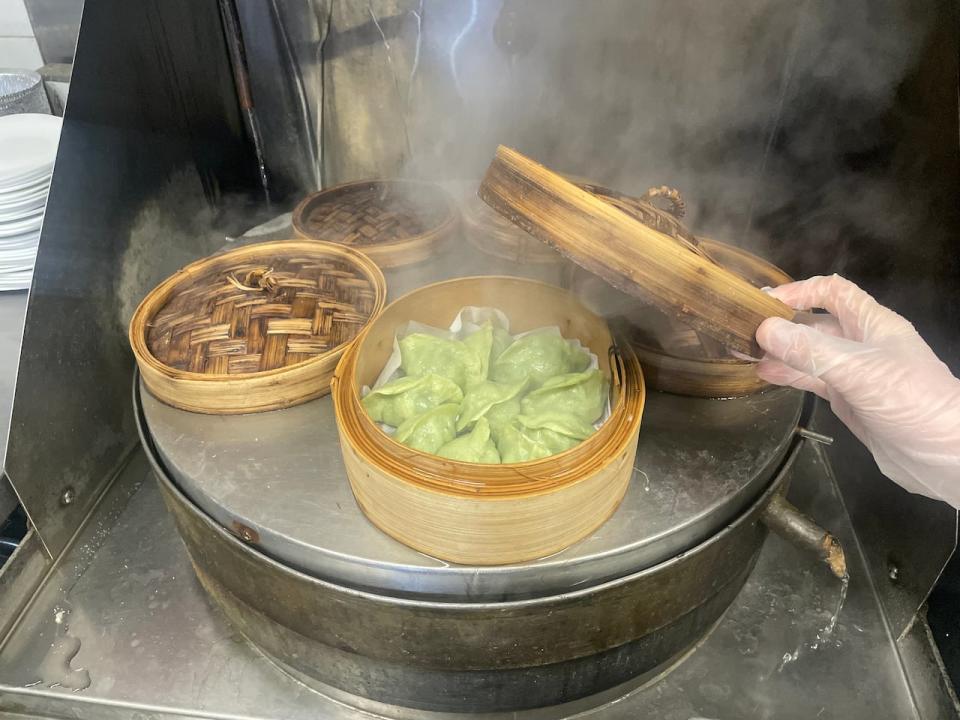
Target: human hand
{"points": [[879, 376]]}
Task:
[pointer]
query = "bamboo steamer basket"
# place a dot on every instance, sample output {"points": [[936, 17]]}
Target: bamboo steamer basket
{"points": [[488, 514], [393, 222], [257, 328], [494, 235]]}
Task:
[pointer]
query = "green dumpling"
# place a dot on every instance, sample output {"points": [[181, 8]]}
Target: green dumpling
{"points": [[431, 430], [406, 397], [582, 395], [476, 446], [481, 342], [539, 356], [555, 431], [424, 354], [498, 402], [501, 341], [515, 445]]}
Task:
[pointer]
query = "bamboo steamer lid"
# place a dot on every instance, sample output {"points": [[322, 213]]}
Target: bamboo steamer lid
{"points": [[669, 271], [393, 222], [257, 328], [675, 357]]}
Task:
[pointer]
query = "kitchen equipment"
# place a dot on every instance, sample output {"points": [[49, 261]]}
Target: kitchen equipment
{"points": [[488, 514], [394, 222], [628, 254], [256, 328], [466, 638]]}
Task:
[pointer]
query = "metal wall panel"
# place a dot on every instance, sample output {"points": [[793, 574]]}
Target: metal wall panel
{"points": [[152, 151]]}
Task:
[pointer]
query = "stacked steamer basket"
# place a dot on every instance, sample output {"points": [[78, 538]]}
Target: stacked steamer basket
{"points": [[29, 147], [493, 234], [393, 222], [256, 328]]}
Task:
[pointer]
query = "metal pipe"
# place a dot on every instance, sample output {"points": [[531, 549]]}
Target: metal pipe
{"points": [[793, 526]]}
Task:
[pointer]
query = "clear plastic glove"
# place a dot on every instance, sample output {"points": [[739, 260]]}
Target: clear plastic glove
{"points": [[881, 379]]}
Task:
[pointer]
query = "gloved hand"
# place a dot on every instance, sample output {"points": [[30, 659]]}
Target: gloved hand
{"points": [[881, 379]]}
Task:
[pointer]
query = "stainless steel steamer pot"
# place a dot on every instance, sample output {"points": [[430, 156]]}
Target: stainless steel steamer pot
{"points": [[475, 656]]}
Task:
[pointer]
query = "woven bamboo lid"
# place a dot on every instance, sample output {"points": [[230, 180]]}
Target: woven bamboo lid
{"points": [[394, 222], [256, 328]]}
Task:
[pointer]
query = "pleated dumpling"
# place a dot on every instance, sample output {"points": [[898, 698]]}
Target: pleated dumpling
{"points": [[539, 356], [581, 395], [425, 354], [481, 342], [498, 402], [476, 446], [431, 430], [516, 446], [399, 400], [501, 341], [558, 431]]}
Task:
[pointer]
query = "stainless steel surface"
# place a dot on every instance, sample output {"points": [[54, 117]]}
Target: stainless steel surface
{"points": [[21, 91], [13, 307], [127, 598], [56, 24], [136, 190], [699, 463], [907, 539]]}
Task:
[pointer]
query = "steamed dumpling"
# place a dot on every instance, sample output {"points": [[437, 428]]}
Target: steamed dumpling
{"points": [[516, 446], [498, 402], [538, 356], [481, 342], [431, 430], [501, 341], [406, 397], [476, 446], [424, 354], [581, 395], [564, 424]]}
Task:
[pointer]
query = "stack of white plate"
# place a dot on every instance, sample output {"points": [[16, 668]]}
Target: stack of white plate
{"points": [[28, 147]]}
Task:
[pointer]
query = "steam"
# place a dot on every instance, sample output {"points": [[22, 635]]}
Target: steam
{"points": [[726, 100]]}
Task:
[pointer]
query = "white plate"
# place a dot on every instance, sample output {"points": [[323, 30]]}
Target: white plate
{"points": [[16, 283], [40, 186], [22, 209], [21, 227], [24, 181], [16, 242], [29, 142]]}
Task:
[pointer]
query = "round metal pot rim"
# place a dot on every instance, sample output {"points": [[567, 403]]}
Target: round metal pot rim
{"points": [[748, 514]]}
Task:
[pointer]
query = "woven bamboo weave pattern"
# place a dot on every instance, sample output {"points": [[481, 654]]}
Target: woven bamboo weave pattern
{"points": [[372, 213], [252, 316]]}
